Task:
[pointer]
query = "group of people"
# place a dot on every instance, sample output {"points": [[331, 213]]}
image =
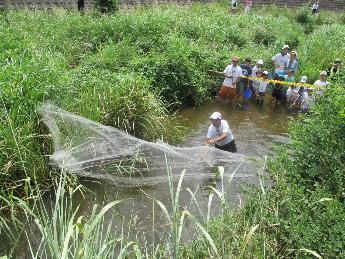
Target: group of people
{"points": [[249, 3], [252, 82], [255, 81]]}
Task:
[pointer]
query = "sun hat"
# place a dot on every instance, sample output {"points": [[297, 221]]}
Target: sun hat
{"points": [[286, 47], [216, 116], [260, 62], [304, 79]]}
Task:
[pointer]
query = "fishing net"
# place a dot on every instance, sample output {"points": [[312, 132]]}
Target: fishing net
{"points": [[90, 149]]}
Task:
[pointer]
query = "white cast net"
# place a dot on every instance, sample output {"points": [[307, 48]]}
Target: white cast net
{"points": [[90, 149]]}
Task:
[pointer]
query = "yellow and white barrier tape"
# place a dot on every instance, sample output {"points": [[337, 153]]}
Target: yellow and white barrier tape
{"points": [[275, 81]]}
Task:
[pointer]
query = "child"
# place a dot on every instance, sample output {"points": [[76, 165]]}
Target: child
{"points": [[295, 95], [261, 89], [321, 84], [246, 71], [277, 93], [288, 78], [308, 100], [248, 4]]}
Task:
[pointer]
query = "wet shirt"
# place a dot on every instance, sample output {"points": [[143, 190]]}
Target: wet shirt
{"points": [[235, 72], [214, 132]]}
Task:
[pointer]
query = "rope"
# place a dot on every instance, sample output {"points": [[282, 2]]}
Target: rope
{"points": [[274, 81]]}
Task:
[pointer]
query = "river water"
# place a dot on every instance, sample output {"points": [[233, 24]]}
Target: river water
{"points": [[256, 129]]}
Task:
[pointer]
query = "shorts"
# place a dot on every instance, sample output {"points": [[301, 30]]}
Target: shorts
{"points": [[227, 92], [230, 147]]}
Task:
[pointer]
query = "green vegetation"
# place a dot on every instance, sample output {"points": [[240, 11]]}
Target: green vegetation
{"points": [[131, 69], [302, 214]]}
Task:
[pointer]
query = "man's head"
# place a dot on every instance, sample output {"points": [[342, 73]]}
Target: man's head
{"points": [[235, 60], [216, 119], [248, 62], [337, 63], [293, 55], [265, 74], [259, 73], [259, 63], [285, 49], [323, 75]]}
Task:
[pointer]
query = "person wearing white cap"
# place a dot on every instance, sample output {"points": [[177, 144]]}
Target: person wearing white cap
{"points": [[280, 59], [321, 84], [255, 69], [261, 88], [232, 75], [220, 135]]}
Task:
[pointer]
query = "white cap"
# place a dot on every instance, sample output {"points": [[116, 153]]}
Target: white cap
{"points": [[304, 79], [285, 47], [265, 72], [260, 61], [216, 116], [323, 73]]}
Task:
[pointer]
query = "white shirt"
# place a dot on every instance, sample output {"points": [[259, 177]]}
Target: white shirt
{"points": [[261, 86], [292, 91], [217, 132], [315, 6], [307, 102], [235, 72], [254, 70], [280, 60], [320, 86]]}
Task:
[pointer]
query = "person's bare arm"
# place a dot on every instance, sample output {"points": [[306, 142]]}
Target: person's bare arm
{"points": [[211, 141]]}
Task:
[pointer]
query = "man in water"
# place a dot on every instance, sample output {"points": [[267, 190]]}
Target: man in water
{"points": [[232, 75], [220, 134]]}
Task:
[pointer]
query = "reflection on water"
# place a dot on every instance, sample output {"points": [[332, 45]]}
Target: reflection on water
{"points": [[255, 129]]}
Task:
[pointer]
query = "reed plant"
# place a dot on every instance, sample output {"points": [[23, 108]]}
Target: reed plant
{"points": [[130, 69]]}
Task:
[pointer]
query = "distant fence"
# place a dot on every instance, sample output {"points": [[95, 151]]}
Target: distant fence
{"points": [[335, 5]]}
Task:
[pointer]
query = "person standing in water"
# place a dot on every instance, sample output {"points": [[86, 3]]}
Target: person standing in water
{"points": [[220, 134], [232, 75]]}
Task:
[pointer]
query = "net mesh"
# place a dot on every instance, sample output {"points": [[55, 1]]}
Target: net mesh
{"points": [[90, 149]]}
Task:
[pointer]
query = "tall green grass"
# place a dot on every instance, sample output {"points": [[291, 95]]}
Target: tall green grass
{"points": [[130, 70], [59, 229]]}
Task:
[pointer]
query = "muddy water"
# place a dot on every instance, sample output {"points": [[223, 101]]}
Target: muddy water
{"points": [[256, 129]]}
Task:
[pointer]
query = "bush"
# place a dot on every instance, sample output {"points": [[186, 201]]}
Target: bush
{"points": [[107, 6]]}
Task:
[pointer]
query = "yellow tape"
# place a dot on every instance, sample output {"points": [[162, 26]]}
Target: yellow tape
{"points": [[280, 82], [275, 81]]}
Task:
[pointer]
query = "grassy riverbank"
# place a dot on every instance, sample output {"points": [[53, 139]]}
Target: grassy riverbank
{"points": [[131, 69]]}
